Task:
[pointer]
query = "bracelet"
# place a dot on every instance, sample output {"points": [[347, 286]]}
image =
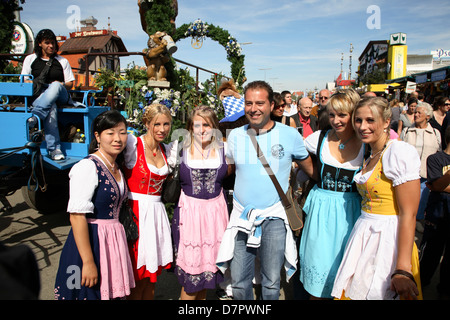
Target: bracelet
{"points": [[404, 273]]}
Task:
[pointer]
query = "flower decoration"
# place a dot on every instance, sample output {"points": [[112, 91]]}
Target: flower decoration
{"points": [[197, 29], [233, 47], [169, 98], [143, 97]]}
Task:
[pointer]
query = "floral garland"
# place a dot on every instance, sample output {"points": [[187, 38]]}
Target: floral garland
{"points": [[231, 45], [197, 29]]}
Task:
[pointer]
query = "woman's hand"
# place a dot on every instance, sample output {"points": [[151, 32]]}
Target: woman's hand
{"points": [[89, 274], [404, 287]]}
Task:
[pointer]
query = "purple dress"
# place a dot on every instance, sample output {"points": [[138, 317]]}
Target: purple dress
{"points": [[199, 221]]}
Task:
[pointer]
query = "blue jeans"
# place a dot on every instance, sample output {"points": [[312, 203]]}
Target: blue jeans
{"points": [[45, 107], [424, 193], [271, 254]]}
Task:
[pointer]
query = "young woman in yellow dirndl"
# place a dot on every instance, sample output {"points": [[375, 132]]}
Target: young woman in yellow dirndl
{"points": [[381, 259]]}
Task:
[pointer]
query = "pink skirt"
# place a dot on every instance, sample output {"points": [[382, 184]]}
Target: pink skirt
{"points": [[202, 224], [116, 271]]}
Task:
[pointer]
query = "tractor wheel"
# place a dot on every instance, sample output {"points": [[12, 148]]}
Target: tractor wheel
{"points": [[53, 200]]}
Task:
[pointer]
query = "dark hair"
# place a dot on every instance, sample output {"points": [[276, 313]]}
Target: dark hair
{"points": [[260, 85], [44, 34], [412, 100], [278, 99], [439, 102], [284, 93], [104, 121]]}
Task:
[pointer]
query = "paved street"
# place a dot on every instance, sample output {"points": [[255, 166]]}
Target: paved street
{"points": [[46, 234]]}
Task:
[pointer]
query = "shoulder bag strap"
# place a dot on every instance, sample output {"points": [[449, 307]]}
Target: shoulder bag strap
{"points": [[39, 80], [260, 154], [46, 68]]}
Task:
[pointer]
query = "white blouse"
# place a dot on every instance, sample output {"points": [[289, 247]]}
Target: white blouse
{"points": [[130, 155], [401, 164], [311, 146], [83, 182], [209, 163]]}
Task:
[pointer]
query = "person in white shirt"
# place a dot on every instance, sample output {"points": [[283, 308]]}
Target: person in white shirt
{"points": [[54, 89], [290, 108]]}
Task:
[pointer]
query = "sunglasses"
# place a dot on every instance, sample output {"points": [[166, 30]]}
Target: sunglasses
{"points": [[279, 106], [323, 98]]}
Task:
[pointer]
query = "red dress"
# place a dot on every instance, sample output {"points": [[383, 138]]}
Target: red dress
{"points": [[152, 251]]}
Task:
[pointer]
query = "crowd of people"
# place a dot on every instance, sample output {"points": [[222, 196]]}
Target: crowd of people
{"points": [[371, 173], [369, 192]]}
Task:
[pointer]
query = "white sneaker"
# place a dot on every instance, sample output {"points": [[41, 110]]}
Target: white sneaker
{"points": [[32, 122], [57, 155]]}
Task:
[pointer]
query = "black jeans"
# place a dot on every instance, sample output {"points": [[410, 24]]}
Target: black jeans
{"points": [[434, 245]]}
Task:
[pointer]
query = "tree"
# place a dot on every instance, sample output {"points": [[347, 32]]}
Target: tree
{"points": [[377, 76], [7, 8]]}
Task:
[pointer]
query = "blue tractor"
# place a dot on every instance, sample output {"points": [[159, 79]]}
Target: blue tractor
{"points": [[24, 163]]}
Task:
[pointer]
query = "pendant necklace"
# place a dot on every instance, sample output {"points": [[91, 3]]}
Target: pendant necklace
{"points": [[150, 149], [201, 151], [375, 155], [113, 169], [342, 145]]}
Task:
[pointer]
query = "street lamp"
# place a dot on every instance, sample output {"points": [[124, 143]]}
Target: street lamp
{"points": [[273, 81], [265, 69]]}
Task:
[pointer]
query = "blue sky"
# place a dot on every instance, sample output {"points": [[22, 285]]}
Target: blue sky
{"points": [[299, 43]]}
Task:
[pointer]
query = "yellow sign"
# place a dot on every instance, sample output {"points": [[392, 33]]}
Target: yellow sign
{"points": [[380, 87], [397, 58]]}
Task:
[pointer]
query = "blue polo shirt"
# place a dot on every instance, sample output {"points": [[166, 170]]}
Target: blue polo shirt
{"points": [[280, 145]]}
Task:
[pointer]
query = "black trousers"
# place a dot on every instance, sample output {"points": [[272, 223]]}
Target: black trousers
{"points": [[435, 245]]}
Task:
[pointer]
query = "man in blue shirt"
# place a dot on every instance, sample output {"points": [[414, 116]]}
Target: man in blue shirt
{"points": [[258, 220]]}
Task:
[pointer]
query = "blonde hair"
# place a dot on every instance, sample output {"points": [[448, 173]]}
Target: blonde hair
{"points": [[344, 101], [210, 116], [394, 103], [379, 106], [154, 110]]}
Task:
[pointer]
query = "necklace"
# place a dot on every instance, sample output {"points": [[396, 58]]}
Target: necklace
{"points": [[113, 169], [342, 145], [375, 155], [150, 149], [201, 151]]}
